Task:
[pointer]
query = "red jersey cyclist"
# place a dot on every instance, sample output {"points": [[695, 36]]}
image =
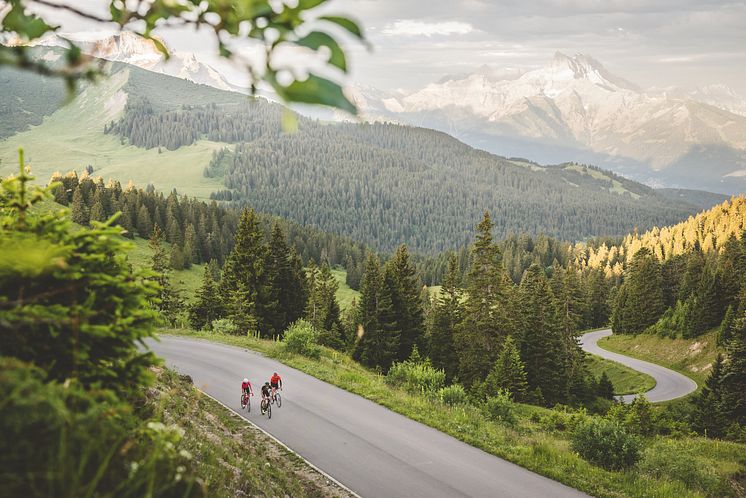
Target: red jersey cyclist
{"points": [[246, 388], [276, 382]]}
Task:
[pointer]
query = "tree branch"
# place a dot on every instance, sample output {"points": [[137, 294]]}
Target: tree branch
{"points": [[74, 10]]}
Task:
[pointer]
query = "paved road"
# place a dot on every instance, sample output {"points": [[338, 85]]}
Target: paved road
{"points": [[668, 384], [372, 450]]}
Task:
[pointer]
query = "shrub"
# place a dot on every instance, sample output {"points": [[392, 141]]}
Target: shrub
{"points": [[416, 377], [500, 408], [668, 459], [453, 395], [224, 326], [606, 443], [562, 418], [66, 441], [301, 338]]}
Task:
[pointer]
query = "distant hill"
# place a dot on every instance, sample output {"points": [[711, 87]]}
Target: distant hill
{"points": [[381, 184], [699, 198]]}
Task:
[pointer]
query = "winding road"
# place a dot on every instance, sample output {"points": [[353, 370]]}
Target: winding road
{"points": [[368, 448], [668, 384]]}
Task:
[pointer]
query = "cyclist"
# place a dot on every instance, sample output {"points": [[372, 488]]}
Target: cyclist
{"points": [[266, 393], [246, 387], [275, 381]]}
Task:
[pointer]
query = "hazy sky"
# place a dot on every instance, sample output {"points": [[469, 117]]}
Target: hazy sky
{"points": [[649, 42]]}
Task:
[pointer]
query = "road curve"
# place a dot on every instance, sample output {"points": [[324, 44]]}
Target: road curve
{"points": [[668, 384], [368, 448]]}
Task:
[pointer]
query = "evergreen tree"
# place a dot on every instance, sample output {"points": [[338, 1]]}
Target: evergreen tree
{"points": [[167, 300], [243, 284], [323, 310], [207, 305], [98, 212], [144, 223], [605, 387], [725, 332], [177, 260], [733, 382], [214, 268], [79, 211], [708, 418], [486, 320], [406, 301], [542, 345], [508, 373], [640, 302], [374, 346], [446, 316]]}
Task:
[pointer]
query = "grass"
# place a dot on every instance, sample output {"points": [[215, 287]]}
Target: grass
{"points": [[187, 281], [691, 357], [230, 456], [72, 138], [345, 294], [625, 379], [534, 441]]}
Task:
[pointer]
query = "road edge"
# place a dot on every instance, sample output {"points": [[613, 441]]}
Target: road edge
{"points": [[314, 467]]}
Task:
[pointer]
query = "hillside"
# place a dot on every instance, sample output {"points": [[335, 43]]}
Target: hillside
{"points": [[425, 187]]}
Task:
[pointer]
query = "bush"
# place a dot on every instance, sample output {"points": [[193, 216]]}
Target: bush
{"points": [[606, 443], [670, 460], [66, 441], [419, 377], [453, 395], [224, 326], [301, 338], [562, 418], [500, 408]]}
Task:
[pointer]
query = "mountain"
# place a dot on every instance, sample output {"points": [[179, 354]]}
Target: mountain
{"points": [[574, 109], [699, 198], [132, 49], [382, 184]]}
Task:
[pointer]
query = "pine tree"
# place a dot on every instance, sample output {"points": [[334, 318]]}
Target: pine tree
{"points": [[168, 301], [405, 298], [486, 321], [144, 224], [508, 373], [605, 387], [733, 382], [207, 305], [640, 302], [177, 260], [323, 310], [79, 210], [708, 418], [243, 284], [541, 341], [374, 346], [98, 212], [725, 331], [446, 316]]}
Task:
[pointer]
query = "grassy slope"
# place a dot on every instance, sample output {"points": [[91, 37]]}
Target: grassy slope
{"points": [[73, 137], [691, 466], [692, 357], [345, 294], [231, 457], [625, 379]]}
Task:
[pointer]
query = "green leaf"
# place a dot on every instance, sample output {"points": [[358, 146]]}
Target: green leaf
{"points": [[317, 39], [27, 26], [317, 90], [348, 24], [309, 4]]}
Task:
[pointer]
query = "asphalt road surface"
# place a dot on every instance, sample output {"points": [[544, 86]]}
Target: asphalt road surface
{"points": [[668, 384], [375, 452]]}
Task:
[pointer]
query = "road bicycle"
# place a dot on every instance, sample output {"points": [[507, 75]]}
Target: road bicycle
{"points": [[246, 402], [267, 406], [277, 399]]}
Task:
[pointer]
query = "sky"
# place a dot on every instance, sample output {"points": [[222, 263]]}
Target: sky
{"points": [[653, 43]]}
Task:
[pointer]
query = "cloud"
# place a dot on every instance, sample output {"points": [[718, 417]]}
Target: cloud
{"points": [[409, 27]]}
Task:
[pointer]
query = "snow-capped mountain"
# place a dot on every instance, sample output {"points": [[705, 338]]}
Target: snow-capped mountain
{"points": [[575, 109], [132, 49]]}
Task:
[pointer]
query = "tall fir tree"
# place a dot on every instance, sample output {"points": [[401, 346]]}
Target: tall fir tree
{"points": [[487, 316], [508, 373], [79, 210], [406, 302], [374, 346], [446, 315], [322, 310], [708, 417], [168, 301], [733, 382], [207, 306], [640, 302], [243, 284], [541, 340]]}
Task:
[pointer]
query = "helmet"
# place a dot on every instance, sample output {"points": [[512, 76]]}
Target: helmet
{"points": [[275, 373], [245, 380], [266, 383]]}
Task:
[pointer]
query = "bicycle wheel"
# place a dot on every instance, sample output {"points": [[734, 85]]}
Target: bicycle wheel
{"points": [[278, 400], [269, 410], [248, 403], [243, 401]]}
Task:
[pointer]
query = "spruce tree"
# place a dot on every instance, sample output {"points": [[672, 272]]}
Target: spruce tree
{"points": [[446, 317], [374, 346], [207, 305], [79, 210], [323, 310], [243, 284], [541, 340], [98, 212], [486, 320], [708, 418], [733, 382], [144, 223], [406, 301], [508, 373], [605, 387], [167, 301], [725, 332], [640, 302]]}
